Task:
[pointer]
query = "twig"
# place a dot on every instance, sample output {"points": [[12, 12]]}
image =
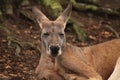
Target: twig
{"points": [[113, 30]]}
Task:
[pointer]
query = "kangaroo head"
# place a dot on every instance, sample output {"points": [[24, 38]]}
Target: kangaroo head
{"points": [[53, 35]]}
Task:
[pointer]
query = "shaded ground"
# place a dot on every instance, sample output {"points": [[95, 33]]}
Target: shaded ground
{"points": [[22, 67]]}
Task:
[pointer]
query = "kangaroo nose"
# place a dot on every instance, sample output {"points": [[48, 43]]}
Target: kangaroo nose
{"points": [[54, 50]]}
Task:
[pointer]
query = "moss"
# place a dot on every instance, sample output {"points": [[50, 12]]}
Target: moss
{"points": [[80, 33], [92, 7], [53, 7]]}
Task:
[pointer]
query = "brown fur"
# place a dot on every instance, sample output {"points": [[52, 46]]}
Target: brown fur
{"points": [[89, 61], [71, 62], [46, 69], [85, 61]]}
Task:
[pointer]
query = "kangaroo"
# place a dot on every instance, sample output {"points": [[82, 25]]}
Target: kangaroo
{"points": [[62, 61]]}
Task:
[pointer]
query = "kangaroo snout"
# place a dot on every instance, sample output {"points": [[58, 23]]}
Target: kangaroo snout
{"points": [[54, 50]]}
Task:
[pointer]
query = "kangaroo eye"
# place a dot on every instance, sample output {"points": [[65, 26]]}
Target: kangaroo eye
{"points": [[46, 34], [61, 34]]}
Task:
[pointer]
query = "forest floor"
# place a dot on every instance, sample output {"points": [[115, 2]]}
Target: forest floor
{"points": [[13, 67]]}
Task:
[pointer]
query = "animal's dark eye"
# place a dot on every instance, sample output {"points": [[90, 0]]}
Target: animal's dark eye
{"points": [[46, 34], [61, 34]]}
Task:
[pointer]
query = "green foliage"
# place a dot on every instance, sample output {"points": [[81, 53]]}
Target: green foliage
{"points": [[80, 33], [25, 2], [52, 6]]}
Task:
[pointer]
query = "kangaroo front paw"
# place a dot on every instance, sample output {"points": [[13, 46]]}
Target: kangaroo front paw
{"points": [[70, 77], [95, 79]]}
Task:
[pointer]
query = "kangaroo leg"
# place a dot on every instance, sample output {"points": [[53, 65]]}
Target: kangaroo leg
{"points": [[79, 67], [45, 70], [74, 77], [48, 75]]}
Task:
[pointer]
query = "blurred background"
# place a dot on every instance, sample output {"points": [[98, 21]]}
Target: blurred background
{"points": [[91, 22]]}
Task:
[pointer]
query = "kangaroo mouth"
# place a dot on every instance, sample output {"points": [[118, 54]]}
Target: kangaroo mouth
{"points": [[54, 51]]}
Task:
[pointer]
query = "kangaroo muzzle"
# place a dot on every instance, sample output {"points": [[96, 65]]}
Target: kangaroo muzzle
{"points": [[55, 50]]}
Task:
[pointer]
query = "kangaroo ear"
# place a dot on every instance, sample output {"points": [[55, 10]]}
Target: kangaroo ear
{"points": [[39, 16], [65, 15]]}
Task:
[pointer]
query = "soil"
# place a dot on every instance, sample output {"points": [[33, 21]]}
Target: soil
{"points": [[13, 67]]}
